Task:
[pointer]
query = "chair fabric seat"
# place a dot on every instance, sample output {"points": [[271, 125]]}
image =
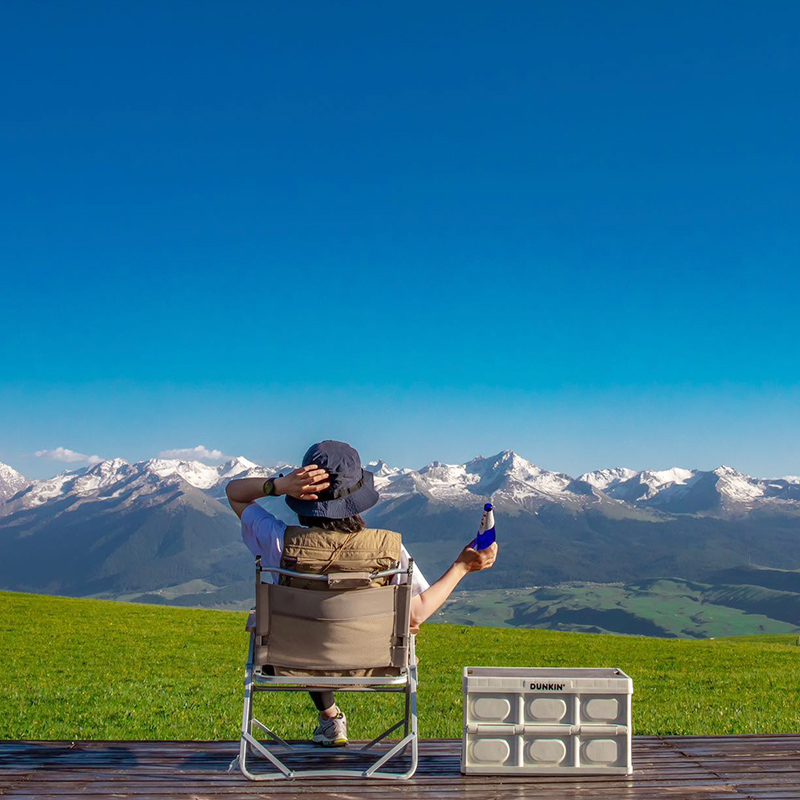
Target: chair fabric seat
{"points": [[335, 632]]}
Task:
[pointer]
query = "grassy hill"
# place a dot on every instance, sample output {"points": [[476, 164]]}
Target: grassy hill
{"points": [[90, 669], [670, 607]]}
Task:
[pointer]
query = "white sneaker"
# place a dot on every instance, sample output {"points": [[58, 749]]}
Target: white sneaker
{"points": [[331, 732]]}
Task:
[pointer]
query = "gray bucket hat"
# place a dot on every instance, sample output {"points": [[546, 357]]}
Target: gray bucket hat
{"points": [[352, 489]]}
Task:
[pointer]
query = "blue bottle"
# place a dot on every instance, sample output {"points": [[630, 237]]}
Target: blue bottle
{"points": [[486, 533]]}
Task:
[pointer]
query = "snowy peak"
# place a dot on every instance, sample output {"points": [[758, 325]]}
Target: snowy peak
{"points": [[384, 473], [724, 489], [11, 482], [630, 486], [737, 487], [655, 481], [103, 474], [208, 478], [514, 479], [446, 483], [84, 481], [236, 467], [379, 467], [240, 467], [394, 482], [195, 473], [241, 461], [506, 462], [604, 479], [505, 478]]}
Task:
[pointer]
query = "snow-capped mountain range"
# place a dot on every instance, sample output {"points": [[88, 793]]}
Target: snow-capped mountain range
{"points": [[693, 491], [506, 479], [116, 529], [117, 479]]}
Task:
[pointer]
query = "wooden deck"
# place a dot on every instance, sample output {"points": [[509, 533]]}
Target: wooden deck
{"points": [[675, 768]]}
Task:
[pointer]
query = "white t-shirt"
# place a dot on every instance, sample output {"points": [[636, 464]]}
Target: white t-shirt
{"points": [[263, 535]]}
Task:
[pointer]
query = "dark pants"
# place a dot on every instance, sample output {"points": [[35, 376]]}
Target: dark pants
{"points": [[322, 700]]}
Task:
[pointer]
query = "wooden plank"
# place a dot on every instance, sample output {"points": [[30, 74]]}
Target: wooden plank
{"points": [[428, 793], [676, 768], [154, 773], [457, 794], [221, 776], [375, 789]]}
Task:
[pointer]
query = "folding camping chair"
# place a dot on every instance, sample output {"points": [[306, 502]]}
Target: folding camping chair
{"points": [[346, 626]]}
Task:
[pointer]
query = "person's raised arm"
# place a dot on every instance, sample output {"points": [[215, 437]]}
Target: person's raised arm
{"points": [[429, 601], [303, 483]]}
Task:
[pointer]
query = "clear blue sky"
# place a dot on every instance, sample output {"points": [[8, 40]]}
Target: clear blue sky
{"points": [[435, 230]]}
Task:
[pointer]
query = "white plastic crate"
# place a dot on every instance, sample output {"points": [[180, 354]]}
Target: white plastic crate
{"points": [[546, 721]]}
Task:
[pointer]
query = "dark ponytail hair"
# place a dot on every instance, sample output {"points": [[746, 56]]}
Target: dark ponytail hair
{"points": [[347, 525]]}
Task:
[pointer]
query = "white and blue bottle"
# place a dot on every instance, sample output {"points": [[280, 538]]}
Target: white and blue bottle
{"points": [[486, 532]]}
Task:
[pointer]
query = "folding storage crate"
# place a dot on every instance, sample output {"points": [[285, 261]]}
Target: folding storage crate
{"points": [[546, 721]]}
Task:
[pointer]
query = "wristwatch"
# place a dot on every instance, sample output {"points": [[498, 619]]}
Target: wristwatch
{"points": [[269, 487]]}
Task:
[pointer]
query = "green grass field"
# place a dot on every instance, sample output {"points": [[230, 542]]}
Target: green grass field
{"points": [[90, 669]]}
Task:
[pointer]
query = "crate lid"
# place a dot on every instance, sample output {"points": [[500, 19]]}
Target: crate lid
{"points": [[544, 672]]}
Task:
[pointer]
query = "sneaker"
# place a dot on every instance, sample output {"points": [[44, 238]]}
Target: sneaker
{"points": [[331, 732]]}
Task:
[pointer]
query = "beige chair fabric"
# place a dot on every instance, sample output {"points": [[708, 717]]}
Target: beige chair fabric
{"points": [[349, 631]]}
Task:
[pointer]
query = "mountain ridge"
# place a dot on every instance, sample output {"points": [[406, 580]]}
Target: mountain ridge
{"points": [[116, 528], [506, 478]]}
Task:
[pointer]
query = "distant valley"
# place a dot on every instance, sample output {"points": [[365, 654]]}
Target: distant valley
{"points": [[664, 607]]}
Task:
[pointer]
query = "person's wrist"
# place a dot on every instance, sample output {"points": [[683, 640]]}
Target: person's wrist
{"points": [[279, 484], [461, 568]]}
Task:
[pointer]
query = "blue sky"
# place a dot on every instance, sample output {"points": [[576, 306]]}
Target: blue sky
{"points": [[569, 229]]}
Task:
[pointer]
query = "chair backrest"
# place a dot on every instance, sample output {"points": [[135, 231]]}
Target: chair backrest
{"points": [[343, 628]]}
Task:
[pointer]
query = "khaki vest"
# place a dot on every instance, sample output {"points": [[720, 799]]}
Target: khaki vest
{"points": [[319, 552]]}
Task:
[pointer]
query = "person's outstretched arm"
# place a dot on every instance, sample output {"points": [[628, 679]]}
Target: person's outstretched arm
{"points": [[470, 560]]}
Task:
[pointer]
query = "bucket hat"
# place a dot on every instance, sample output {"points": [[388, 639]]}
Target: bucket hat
{"points": [[352, 489]]}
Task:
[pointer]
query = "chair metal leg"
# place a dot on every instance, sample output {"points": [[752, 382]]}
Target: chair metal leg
{"points": [[247, 739], [373, 770], [247, 713], [249, 742], [414, 719]]}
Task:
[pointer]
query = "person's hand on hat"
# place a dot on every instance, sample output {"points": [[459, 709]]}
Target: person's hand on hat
{"points": [[473, 560], [304, 483]]}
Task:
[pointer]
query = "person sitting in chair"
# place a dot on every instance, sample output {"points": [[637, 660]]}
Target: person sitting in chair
{"points": [[329, 492]]}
